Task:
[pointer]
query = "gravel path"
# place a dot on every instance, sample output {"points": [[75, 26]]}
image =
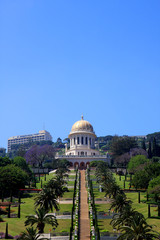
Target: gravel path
{"points": [[84, 218]]}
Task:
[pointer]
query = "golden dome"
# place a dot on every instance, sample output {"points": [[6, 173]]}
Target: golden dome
{"points": [[82, 126]]}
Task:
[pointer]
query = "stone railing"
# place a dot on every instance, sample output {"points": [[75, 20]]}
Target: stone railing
{"points": [[82, 156]]}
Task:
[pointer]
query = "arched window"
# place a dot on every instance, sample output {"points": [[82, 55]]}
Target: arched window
{"points": [[90, 141], [86, 141], [77, 140], [82, 153], [74, 141], [82, 140]]}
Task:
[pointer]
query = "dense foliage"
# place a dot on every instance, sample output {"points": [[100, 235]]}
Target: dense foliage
{"points": [[136, 161], [141, 179], [4, 161], [143, 176], [12, 178], [154, 183], [121, 145], [21, 162], [38, 155]]}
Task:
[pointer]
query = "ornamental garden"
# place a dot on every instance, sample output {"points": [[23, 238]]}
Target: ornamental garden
{"points": [[123, 199]]}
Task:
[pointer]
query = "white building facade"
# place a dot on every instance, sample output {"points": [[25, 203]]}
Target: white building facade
{"points": [[82, 145], [43, 135]]}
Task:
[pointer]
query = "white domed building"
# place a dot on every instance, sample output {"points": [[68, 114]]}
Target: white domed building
{"points": [[82, 145]]}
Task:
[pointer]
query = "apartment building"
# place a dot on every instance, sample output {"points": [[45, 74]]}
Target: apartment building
{"points": [[43, 135]]}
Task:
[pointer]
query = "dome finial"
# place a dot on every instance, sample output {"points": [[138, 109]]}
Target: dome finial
{"points": [[82, 116]]}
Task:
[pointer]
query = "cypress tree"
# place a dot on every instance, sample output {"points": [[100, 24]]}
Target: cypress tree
{"points": [[2, 196], [124, 185], [125, 176], [11, 196], [19, 210], [149, 150], [154, 151], [6, 233], [147, 196], [158, 210], [9, 211], [149, 211], [143, 144], [139, 197], [19, 197]]}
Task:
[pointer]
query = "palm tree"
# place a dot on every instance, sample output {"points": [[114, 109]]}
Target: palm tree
{"points": [[123, 218], [138, 229], [41, 218], [47, 199], [111, 189], [120, 202], [30, 234], [57, 186], [103, 173], [62, 168]]}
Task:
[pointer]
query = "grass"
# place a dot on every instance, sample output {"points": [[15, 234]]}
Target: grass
{"points": [[104, 224], [63, 225], [68, 194], [16, 225], [70, 183], [121, 183], [102, 207], [98, 194], [65, 207]]}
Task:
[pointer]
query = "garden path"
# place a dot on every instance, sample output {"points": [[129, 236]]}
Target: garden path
{"points": [[84, 218]]}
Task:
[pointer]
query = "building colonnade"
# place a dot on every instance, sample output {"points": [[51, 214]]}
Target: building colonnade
{"points": [[82, 140]]}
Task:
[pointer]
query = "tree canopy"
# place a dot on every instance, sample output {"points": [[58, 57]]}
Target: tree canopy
{"points": [[141, 179], [21, 162], [4, 161], [12, 178], [136, 161], [37, 155], [154, 182], [121, 145]]}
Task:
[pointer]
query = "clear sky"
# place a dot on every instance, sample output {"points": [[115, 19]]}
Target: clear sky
{"points": [[62, 58]]}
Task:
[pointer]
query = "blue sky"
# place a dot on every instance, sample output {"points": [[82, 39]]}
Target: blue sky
{"points": [[59, 59]]}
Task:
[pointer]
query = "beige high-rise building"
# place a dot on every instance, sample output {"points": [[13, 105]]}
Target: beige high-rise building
{"points": [[43, 135]]}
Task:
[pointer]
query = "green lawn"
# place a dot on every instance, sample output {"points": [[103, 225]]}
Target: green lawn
{"points": [[102, 207], [70, 183], [98, 194], [63, 226], [141, 207], [68, 194], [121, 183], [16, 225], [104, 224]]}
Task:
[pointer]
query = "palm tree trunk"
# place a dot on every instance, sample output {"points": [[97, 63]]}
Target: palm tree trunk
{"points": [[40, 227]]}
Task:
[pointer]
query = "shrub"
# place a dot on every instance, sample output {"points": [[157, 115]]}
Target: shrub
{"points": [[154, 182]]}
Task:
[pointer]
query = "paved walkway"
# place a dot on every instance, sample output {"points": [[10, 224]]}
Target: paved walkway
{"points": [[84, 218]]}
